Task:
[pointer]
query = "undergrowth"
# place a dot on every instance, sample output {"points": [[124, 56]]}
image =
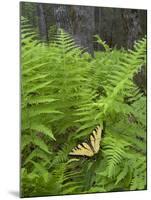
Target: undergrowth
{"points": [[65, 94]]}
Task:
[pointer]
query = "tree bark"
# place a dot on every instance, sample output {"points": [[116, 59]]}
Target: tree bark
{"points": [[63, 20], [84, 26], [132, 26], [78, 21], [42, 23]]}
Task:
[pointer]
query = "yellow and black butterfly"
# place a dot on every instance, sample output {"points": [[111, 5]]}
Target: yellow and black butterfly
{"points": [[91, 149]]}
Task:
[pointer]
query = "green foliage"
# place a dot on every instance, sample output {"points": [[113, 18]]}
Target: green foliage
{"points": [[65, 94], [103, 43], [37, 107]]}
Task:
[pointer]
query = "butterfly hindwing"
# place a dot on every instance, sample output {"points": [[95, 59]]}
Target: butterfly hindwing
{"points": [[82, 150], [85, 149]]}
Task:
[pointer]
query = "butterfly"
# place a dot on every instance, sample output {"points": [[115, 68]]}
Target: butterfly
{"points": [[91, 149]]}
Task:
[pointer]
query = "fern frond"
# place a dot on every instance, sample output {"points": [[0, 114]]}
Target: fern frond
{"points": [[139, 174], [118, 85], [37, 153], [103, 43], [114, 151]]}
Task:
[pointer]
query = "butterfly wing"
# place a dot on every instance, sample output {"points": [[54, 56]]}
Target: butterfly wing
{"points": [[86, 150], [95, 139], [82, 150]]}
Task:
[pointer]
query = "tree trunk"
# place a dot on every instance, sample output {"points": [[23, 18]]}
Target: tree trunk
{"points": [[132, 26], [97, 13], [84, 26], [42, 23], [78, 21], [63, 20]]}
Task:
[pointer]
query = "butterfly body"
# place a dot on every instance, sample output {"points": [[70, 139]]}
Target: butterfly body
{"points": [[91, 149]]}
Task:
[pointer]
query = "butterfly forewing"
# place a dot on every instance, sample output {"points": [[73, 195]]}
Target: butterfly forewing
{"points": [[95, 139]]}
